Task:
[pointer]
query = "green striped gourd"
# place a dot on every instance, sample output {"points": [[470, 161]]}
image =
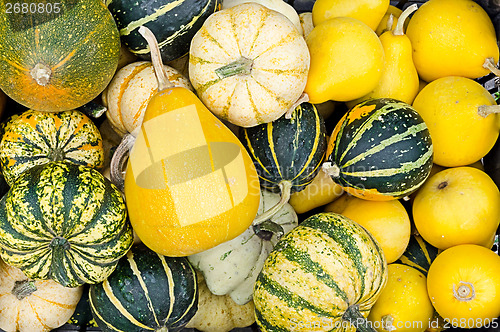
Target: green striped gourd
{"points": [[287, 152], [64, 222], [146, 292], [418, 254], [36, 138], [380, 150], [328, 270], [173, 22]]}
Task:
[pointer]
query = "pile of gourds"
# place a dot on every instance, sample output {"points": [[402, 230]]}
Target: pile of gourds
{"points": [[306, 172]]}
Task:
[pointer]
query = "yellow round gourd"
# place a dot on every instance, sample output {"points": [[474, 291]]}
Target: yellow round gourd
{"points": [[456, 206], [404, 304], [464, 286], [452, 37], [387, 221], [347, 59], [450, 108]]}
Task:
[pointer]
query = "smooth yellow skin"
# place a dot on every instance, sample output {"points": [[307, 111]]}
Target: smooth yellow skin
{"points": [[449, 107], [451, 38], [387, 221], [347, 59], [404, 300], [460, 268], [367, 11], [457, 206], [382, 26]]}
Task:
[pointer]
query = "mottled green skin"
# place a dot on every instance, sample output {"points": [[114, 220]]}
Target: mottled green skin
{"points": [[157, 291], [288, 149], [173, 22], [64, 222], [418, 254]]}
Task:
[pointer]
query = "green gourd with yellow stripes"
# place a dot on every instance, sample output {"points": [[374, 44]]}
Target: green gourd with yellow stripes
{"points": [[418, 254], [380, 150], [146, 292], [324, 274]]}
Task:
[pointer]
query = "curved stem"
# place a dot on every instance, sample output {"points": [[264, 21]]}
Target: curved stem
{"points": [[117, 164], [390, 22], [266, 229], [23, 289], [161, 76], [398, 30], [286, 188], [331, 169], [490, 64], [242, 66], [304, 98], [353, 315], [485, 110]]}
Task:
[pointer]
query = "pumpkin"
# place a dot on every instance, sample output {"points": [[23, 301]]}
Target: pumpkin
{"points": [[147, 291], [248, 64], [64, 222], [189, 183], [328, 270], [219, 313], [127, 96], [419, 254], [57, 60], [380, 150], [36, 138], [287, 152], [232, 267], [33, 305], [173, 22]]}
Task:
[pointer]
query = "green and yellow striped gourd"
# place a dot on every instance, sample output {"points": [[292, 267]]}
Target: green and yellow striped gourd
{"points": [[418, 254]]}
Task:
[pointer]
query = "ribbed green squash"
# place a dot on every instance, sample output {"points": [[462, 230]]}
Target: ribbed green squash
{"points": [[82, 317], [418, 254], [146, 292], [64, 222], [380, 150], [36, 138], [323, 273], [58, 56], [173, 22]]}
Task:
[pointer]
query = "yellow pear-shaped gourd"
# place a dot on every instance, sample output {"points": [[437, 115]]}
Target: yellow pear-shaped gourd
{"points": [[347, 60], [452, 38], [189, 184], [399, 78], [367, 11]]}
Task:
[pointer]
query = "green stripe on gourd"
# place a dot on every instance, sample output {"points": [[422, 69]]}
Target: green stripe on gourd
{"points": [[65, 222], [418, 254]]}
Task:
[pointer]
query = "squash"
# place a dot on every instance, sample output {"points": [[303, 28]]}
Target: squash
{"points": [[328, 270], [128, 94], [248, 64], [36, 138], [82, 316], [189, 183], [64, 222], [419, 254], [380, 150], [33, 305], [287, 152], [58, 61], [219, 313], [173, 23], [232, 267], [147, 291], [464, 287]]}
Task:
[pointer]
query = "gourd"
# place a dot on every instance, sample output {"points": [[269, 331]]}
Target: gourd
{"points": [[64, 222], [419, 254], [57, 61], [248, 64], [173, 23], [287, 153], [189, 183], [82, 316], [327, 269], [380, 150], [147, 291], [452, 38], [306, 23], [232, 267], [36, 138], [389, 21], [33, 305], [127, 95]]}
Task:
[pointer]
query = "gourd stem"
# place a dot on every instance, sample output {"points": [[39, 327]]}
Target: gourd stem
{"points": [[161, 76], [490, 64], [390, 22], [56, 155], [285, 187], [162, 329], [485, 110], [23, 289], [268, 227], [41, 74], [304, 98], [388, 323], [242, 66], [331, 169], [353, 315], [398, 30], [117, 164], [465, 291]]}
